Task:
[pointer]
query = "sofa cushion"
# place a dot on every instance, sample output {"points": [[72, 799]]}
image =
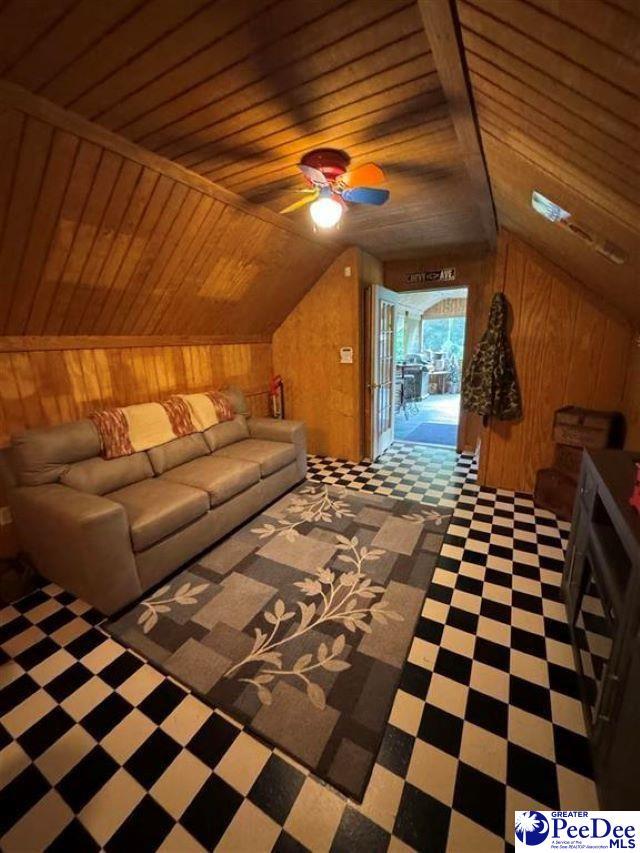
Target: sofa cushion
{"points": [[181, 450], [220, 435], [221, 477], [270, 455], [99, 476], [157, 508], [41, 455]]}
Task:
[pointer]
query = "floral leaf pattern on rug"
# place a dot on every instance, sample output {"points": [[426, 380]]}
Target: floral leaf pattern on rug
{"points": [[431, 516], [337, 585], [309, 504], [186, 593], [343, 598]]}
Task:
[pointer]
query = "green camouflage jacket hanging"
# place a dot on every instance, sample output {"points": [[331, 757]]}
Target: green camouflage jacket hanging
{"points": [[490, 385]]}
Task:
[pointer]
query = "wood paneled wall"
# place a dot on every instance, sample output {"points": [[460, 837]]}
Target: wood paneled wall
{"points": [[474, 273], [569, 349], [331, 397], [319, 390], [40, 387], [101, 237]]}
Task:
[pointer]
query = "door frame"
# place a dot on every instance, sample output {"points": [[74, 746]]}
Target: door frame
{"points": [[380, 294], [368, 360]]}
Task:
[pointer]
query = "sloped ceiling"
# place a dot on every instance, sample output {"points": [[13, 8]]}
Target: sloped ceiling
{"points": [[235, 91], [556, 85], [238, 90], [97, 237]]}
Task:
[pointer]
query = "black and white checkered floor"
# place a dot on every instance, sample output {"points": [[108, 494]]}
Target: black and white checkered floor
{"points": [[417, 472], [100, 750]]}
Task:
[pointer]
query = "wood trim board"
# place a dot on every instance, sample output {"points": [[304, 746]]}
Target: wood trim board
{"points": [[442, 32], [30, 343]]}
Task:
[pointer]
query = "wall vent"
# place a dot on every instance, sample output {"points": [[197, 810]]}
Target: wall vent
{"points": [[559, 216]]}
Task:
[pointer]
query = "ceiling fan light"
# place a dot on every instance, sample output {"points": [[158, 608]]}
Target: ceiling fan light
{"points": [[326, 212]]}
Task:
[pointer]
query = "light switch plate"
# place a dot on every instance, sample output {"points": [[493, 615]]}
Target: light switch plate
{"points": [[346, 355]]}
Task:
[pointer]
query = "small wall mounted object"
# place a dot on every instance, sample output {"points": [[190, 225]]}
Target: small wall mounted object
{"points": [[276, 397], [425, 276]]}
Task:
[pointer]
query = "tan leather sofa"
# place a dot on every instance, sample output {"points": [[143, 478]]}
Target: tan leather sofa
{"points": [[108, 530]]}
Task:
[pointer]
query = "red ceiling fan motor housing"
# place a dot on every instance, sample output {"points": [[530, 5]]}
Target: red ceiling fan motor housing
{"points": [[330, 161]]}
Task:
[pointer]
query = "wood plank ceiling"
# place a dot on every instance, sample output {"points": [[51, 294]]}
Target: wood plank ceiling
{"points": [[556, 85], [99, 237], [238, 90]]}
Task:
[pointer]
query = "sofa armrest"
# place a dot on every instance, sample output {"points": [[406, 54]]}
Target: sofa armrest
{"points": [[290, 432], [78, 540], [273, 429]]}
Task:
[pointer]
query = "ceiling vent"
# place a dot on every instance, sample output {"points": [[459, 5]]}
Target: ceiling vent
{"points": [[551, 211], [559, 216]]}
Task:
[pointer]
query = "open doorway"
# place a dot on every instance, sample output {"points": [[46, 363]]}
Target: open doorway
{"points": [[429, 347]]}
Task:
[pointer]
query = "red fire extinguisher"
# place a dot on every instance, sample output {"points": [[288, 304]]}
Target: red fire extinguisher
{"points": [[276, 397], [634, 500]]}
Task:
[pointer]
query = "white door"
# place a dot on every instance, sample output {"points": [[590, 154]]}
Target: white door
{"points": [[383, 368]]}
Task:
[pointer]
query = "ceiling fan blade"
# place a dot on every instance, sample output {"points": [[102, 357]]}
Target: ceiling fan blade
{"points": [[314, 175], [307, 199], [365, 195], [364, 176]]}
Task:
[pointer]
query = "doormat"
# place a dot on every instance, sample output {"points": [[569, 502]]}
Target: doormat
{"points": [[445, 434], [298, 624]]}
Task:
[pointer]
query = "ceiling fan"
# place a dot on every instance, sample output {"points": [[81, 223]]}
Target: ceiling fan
{"points": [[331, 187]]}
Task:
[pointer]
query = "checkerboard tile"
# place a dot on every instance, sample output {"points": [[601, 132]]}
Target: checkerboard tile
{"points": [[416, 472], [98, 750]]}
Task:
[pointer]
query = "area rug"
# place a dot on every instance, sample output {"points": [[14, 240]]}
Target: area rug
{"points": [[444, 434], [298, 624]]}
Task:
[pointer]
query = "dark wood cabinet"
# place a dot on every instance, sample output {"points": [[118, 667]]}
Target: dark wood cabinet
{"points": [[602, 596]]}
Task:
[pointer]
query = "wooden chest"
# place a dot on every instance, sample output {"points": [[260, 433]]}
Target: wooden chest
{"points": [[567, 460], [586, 428], [555, 491]]}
